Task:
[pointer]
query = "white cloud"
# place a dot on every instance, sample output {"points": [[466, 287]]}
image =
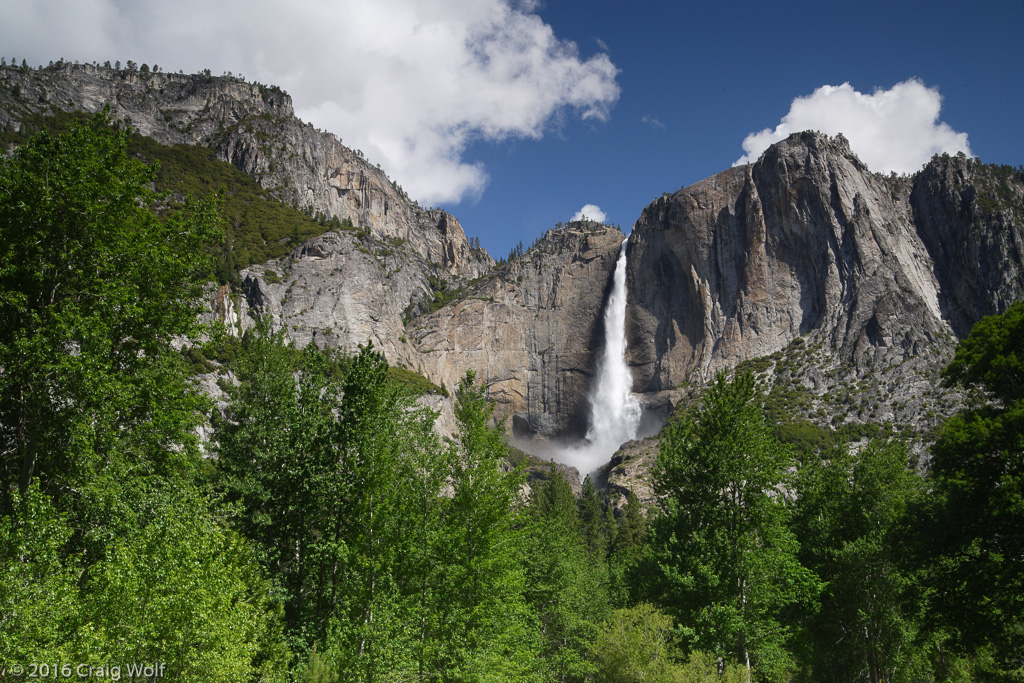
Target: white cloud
{"points": [[590, 211], [652, 122], [410, 82], [890, 130]]}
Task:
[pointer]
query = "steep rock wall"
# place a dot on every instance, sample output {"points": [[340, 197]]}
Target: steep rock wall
{"points": [[530, 330], [970, 217], [806, 240]]}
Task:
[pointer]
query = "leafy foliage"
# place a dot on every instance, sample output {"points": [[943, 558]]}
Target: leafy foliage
{"points": [[977, 472], [634, 644], [257, 227], [93, 288], [568, 584], [110, 549], [853, 521], [724, 560]]}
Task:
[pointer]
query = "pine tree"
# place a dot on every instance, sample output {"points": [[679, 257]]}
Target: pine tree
{"points": [[592, 521]]}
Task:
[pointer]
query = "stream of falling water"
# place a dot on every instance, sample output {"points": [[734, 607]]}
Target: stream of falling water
{"points": [[614, 410]]}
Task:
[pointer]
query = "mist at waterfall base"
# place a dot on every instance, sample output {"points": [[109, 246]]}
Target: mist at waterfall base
{"points": [[616, 414]]}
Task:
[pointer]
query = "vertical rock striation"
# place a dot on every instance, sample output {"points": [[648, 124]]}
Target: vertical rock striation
{"points": [[530, 329], [807, 241]]}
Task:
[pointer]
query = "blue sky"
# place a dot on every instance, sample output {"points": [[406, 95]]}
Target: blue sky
{"points": [[713, 72], [514, 114]]}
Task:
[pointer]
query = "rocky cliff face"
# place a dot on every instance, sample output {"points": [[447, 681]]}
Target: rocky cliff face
{"points": [[808, 242], [253, 127], [526, 329], [844, 290], [530, 329], [342, 289], [805, 240], [969, 216]]}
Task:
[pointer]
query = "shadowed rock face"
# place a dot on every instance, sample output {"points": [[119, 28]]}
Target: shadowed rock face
{"points": [[970, 217], [808, 241]]}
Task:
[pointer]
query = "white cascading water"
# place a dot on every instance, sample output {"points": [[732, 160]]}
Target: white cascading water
{"points": [[614, 410]]}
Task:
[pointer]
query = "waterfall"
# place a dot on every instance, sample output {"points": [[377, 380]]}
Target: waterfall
{"points": [[614, 410]]}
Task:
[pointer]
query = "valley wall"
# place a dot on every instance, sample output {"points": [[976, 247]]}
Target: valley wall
{"points": [[845, 290]]}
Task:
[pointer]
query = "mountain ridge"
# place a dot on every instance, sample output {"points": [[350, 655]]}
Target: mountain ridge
{"points": [[803, 266]]}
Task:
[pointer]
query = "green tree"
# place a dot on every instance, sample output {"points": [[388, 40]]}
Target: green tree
{"points": [[594, 524], [39, 603], [976, 537], [723, 559], [94, 286], [631, 529], [484, 628], [566, 585], [553, 498], [109, 549], [854, 523], [183, 590], [626, 546], [365, 588], [276, 459], [635, 644]]}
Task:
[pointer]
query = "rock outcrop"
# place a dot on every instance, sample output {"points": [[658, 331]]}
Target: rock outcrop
{"points": [[805, 240], [341, 289], [970, 218], [845, 291], [530, 330]]}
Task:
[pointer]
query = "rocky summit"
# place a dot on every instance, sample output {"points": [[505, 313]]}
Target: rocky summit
{"points": [[808, 242], [845, 291]]}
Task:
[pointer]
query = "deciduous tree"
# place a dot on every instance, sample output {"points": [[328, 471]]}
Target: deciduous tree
{"points": [[724, 561], [854, 520], [977, 473], [94, 286]]}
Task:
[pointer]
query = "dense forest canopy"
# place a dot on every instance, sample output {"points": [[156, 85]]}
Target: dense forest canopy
{"points": [[328, 533]]}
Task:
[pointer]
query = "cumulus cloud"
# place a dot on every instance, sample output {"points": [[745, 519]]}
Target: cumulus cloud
{"points": [[409, 82], [590, 211], [890, 130]]}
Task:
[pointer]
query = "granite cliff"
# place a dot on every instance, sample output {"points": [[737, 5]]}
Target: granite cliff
{"points": [[341, 289], [844, 290], [347, 287], [253, 127], [808, 243], [529, 329]]}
